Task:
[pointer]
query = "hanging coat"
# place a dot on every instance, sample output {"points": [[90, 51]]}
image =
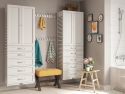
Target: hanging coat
{"points": [[51, 54], [38, 57]]}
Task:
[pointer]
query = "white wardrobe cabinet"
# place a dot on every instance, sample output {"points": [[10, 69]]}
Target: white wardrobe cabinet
{"points": [[20, 48], [70, 43]]}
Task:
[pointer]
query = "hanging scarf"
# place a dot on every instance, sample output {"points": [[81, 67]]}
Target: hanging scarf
{"points": [[38, 57], [51, 54]]}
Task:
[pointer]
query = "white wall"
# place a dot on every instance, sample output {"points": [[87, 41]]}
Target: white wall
{"points": [[107, 42], [115, 46]]}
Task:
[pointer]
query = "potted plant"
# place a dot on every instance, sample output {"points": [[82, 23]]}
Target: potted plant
{"points": [[88, 62]]}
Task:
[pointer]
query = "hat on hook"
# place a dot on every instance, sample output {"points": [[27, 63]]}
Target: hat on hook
{"points": [[42, 23]]}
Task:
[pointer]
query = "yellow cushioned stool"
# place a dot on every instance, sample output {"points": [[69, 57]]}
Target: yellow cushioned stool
{"points": [[46, 73]]}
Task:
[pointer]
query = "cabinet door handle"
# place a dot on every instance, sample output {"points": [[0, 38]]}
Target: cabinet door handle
{"points": [[19, 62], [20, 54], [73, 53], [20, 79], [20, 70], [20, 48]]}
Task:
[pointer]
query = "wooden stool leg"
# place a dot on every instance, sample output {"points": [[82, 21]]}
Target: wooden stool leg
{"points": [[38, 84], [55, 83], [58, 81], [36, 78], [93, 82], [86, 76], [97, 79], [81, 80]]}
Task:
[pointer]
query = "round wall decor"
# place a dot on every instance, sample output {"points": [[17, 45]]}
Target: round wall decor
{"points": [[100, 17]]}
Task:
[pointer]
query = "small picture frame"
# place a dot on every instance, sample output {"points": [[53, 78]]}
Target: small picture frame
{"points": [[89, 37], [94, 27], [100, 17], [90, 17], [99, 38]]}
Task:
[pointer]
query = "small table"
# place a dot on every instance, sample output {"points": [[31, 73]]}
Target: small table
{"points": [[93, 78]]}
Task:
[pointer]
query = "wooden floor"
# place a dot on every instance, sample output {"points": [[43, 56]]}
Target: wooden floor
{"points": [[66, 89]]}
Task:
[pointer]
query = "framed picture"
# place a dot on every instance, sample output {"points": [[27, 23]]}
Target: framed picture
{"points": [[89, 37], [90, 17], [99, 38], [94, 27]]}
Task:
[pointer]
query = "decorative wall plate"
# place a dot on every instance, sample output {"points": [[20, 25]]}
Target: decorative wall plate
{"points": [[100, 17], [89, 37]]}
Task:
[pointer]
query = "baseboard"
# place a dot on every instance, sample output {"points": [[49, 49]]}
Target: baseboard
{"points": [[106, 87], [5, 88], [2, 84], [70, 81]]}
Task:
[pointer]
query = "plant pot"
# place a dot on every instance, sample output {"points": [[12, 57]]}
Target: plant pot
{"points": [[91, 68], [87, 68]]}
